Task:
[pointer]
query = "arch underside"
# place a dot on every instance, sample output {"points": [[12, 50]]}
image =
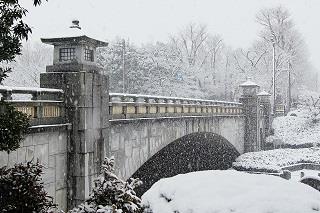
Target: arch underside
{"points": [[193, 152]]}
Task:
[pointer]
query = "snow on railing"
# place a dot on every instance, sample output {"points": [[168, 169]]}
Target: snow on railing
{"points": [[45, 106], [7, 91], [124, 106]]}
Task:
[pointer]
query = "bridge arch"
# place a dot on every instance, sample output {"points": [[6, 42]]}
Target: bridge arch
{"points": [[135, 142], [193, 152]]}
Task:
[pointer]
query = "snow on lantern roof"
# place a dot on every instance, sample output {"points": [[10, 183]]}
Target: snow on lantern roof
{"points": [[73, 34], [249, 83], [263, 93]]}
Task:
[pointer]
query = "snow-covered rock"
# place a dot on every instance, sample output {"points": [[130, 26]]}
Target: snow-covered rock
{"points": [[230, 191], [274, 160]]}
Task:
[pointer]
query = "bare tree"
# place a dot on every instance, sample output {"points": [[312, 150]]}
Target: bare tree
{"points": [[212, 48], [189, 42], [247, 60], [278, 28], [276, 24]]}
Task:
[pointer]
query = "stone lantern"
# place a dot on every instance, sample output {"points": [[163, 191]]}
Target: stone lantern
{"points": [[249, 88], [264, 97], [72, 49]]}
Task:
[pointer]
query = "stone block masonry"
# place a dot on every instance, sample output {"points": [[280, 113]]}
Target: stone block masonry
{"points": [[49, 146], [85, 92]]}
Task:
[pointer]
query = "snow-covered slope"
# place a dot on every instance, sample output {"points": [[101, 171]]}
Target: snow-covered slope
{"points": [[296, 129], [274, 160], [230, 191]]}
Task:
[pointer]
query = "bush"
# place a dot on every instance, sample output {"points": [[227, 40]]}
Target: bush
{"points": [[13, 125], [111, 194], [22, 191]]}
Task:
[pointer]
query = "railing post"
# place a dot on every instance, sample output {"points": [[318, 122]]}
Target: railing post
{"points": [[38, 108], [124, 106], [35, 95], [156, 101], [165, 101]]}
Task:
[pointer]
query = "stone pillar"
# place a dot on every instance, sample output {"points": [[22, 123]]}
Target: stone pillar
{"points": [[265, 117], [86, 98], [249, 99]]}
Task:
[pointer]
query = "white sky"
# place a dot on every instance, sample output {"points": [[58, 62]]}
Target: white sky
{"points": [[143, 21]]}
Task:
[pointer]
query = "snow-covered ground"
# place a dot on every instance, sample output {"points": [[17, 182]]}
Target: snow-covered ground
{"points": [[296, 129], [274, 160], [230, 191]]}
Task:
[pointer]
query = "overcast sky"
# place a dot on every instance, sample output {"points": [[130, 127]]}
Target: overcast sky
{"points": [[143, 21]]}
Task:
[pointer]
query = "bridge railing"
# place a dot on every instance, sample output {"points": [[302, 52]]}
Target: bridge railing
{"points": [[127, 106], [43, 106]]}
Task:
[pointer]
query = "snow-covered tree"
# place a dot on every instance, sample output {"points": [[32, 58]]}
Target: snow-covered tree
{"points": [[22, 189], [13, 31], [150, 69], [13, 126], [137, 67], [311, 101], [27, 66], [111, 194]]}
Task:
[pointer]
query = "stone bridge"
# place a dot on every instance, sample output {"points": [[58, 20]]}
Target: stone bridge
{"points": [[76, 122], [140, 125]]}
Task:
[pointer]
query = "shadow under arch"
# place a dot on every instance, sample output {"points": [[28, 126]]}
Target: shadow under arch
{"points": [[193, 152]]}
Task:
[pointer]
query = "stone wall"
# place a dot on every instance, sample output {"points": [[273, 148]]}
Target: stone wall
{"points": [[50, 147], [134, 142]]}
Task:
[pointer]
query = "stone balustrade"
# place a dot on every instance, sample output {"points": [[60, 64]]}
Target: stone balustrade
{"points": [[129, 106], [43, 106]]}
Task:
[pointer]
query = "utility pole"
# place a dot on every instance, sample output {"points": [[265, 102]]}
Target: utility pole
{"points": [[317, 81], [123, 65], [274, 76], [225, 79], [289, 85]]}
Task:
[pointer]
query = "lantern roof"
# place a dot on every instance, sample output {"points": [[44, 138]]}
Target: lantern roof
{"points": [[263, 93], [249, 83], [72, 35]]}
